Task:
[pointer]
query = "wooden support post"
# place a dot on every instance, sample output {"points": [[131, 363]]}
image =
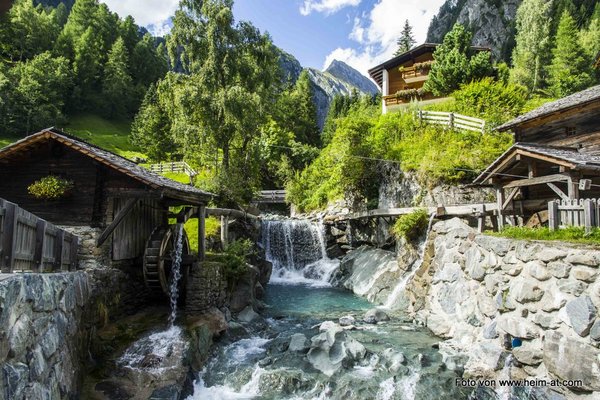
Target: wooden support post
{"points": [[73, 258], [481, 218], [9, 233], [58, 249], [451, 120], [553, 221], [588, 215], [38, 255], [573, 188], [500, 203], [224, 231], [202, 233]]}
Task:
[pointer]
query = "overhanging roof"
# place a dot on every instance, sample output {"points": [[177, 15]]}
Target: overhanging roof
{"points": [[569, 157], [111, 160], [579, 99]]}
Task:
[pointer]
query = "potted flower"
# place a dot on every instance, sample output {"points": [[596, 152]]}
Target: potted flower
{"points": [[51, 188]]}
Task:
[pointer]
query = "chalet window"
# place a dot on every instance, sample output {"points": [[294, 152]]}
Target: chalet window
{"points": [[570, 130]]}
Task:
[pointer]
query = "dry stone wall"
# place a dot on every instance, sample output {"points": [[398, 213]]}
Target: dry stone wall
{"points": [[481, 290]]}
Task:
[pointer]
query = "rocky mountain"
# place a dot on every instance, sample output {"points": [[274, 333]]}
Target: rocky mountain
{"points": [[492, 23], [338, 79]]}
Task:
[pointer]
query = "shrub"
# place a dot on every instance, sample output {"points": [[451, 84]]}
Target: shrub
{"points": [[411, 226], [235, 259], [50, 188], [496, 102]]}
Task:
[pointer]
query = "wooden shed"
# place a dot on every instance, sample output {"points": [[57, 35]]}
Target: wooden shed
{"points": [[556, 155], [128, 204]]}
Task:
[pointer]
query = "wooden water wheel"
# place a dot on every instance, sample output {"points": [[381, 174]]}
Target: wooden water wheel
{"points": [[158, 259]]}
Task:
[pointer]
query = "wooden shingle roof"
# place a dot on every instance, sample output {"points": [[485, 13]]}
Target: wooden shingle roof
{"points": [[111, 160], [578, 99], [567, 156]]}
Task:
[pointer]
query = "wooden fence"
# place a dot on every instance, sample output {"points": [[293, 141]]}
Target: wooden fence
{"points": [[28, 243], [176, 166], [582, 213], [271, 196], [452, 120]]}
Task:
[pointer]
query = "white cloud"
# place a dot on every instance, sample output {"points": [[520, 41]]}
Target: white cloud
{"points": [[145, 12], [326, 6], [377, 31]]}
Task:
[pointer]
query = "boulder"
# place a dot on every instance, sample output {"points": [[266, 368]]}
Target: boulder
{"points": [[375, 315], [538, 270], [517, 327], [489, 331], [559, 269], [581, 258], [439, 325], [552, 254], [585, 274], [299, 343], [347, 320], [248, 315], [332, 347], [524, 291], [530, 353], [595, 330], [572, 287], [581, 313], [570, 359]]}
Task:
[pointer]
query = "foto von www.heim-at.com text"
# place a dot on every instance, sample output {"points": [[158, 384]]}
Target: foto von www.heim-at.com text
{"points": [[517, 383]]}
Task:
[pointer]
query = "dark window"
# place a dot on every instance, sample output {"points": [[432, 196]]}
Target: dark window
{"points": [[570, 130]]}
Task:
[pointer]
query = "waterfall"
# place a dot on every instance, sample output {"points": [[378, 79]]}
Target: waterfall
{"points": [[175, 273], [297, 250], [399, 289]]}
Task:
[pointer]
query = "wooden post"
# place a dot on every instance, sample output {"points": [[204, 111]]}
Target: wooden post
{"points": [[202, 233], [38, 255], [224, 231], [8, 237], [588, 215], [500, 206], [573, 188], [58, 249], [553, 215], [73, 258], [451, 120], [481, 218]]}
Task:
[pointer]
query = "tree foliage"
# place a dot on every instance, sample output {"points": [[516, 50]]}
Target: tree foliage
{"points": [[117, 86], [406, 41], [570, 70], [532, 43], [457, 63]]}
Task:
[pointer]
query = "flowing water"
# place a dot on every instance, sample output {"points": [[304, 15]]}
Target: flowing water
{"points": [[400, 360], [175, 273]]}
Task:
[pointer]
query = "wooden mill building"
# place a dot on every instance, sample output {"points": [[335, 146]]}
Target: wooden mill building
{"points": [[127, 204], [556, 155]]}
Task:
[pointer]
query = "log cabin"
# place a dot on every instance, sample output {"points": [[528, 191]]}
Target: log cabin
{"points": [[401, 78], [556, 155], [126, 206]]}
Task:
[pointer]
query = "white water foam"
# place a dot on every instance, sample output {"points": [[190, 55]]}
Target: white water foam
{"points": [[297, 250], [386, 389], [158, 346], [399, 289], [175, 273]]}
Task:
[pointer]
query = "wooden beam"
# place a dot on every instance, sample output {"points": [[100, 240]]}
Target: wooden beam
{"points": [[202, 232], [558, 191], [549, 159], [224, 231], [117, 221], [531, 169], [572, 188], [185, 214], [38, 254], [540, 180], [510, 197], [9, 233]]}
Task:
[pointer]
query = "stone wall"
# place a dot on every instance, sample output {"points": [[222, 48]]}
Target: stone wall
{"points": [[480, 291], [206, 287], [46, 324]]}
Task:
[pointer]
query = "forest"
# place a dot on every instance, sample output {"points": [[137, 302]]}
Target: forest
{"points": [[213, 92]]}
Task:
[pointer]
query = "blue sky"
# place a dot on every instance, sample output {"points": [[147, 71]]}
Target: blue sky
{"points": [[360, 32]]}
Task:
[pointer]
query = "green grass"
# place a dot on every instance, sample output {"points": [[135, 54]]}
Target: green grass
{"points": [[109, 135], [6, 140], [571, 234], [177, 176]]}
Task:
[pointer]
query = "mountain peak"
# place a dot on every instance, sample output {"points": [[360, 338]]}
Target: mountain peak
{"points": [[346, 73]]}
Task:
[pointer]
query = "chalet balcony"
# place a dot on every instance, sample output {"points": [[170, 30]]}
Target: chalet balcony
{"points": [[399, 98], [412, 75]]}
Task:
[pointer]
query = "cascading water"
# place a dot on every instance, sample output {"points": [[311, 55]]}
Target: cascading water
{"points": [[175, 273], [399, 289], [297, 250]]}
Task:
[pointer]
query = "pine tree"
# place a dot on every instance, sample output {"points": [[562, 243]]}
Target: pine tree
{"points": [[87, 67], [571, 67], [117, 84], [456, 63], [406, 40], [532, 43], [590, 37]]}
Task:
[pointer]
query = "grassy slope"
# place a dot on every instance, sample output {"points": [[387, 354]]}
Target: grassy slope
{"points": [[110, 135]]}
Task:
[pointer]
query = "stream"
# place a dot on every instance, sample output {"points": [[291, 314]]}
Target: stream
{"points": [[294, 353]]}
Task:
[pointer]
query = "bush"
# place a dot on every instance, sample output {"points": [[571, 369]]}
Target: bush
{"points": [[569, 234], [496, 102], [50, 188], [411, 226], [235, 258]]}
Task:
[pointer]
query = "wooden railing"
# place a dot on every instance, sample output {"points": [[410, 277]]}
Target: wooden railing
{"points": [[176, 166], [582, 213], [271, 196], [452, 120], [28, 243]]}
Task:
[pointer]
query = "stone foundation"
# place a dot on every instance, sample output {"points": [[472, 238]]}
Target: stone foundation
{"points": [[206, 287]]}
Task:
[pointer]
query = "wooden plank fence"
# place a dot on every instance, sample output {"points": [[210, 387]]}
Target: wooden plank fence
{"points": [[28, 243], [176, 166], [452, 120], [579, 212]]}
